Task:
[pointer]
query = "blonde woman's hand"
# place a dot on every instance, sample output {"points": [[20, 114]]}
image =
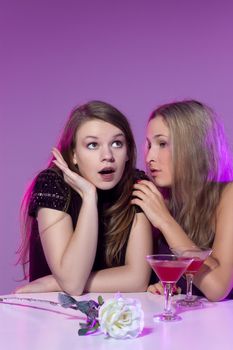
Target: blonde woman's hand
{"points": [[150, 200], [77, 182]]}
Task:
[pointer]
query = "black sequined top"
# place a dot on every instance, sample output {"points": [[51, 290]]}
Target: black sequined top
{"points": [[51, 191]]}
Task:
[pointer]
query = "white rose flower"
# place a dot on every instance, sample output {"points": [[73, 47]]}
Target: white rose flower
{"points": [[121, 317]]}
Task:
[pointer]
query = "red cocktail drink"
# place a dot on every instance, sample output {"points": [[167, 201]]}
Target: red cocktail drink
{"points": [[169, 269], [198, 255], [195, 265]]}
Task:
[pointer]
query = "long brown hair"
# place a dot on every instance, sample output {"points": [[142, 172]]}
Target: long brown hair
{"points": [[201, 166], [119, 217]]}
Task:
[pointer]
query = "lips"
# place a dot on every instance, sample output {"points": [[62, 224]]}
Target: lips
{"points": [[106, 171], [107, 174], [154, 171]]}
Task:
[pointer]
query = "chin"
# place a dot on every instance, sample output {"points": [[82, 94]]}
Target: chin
{"points": [[106, 186], [161, 183]]}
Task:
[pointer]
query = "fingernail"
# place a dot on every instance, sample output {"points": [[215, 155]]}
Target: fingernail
{"points": [[157, 292]]}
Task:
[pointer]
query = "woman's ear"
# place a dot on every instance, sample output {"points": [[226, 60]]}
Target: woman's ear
{"points": [[74, 159]]}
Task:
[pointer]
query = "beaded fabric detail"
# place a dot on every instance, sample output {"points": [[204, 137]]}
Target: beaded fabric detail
{"points": [[49, 192]]}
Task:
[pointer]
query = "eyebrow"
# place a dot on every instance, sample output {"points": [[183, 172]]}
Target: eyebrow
{"points": [[156, 136], [96, 137]]}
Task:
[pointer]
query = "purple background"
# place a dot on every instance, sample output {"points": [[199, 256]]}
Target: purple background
{"points": [[134, 54]]}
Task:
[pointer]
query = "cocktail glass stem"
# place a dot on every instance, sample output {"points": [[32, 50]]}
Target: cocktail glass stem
{"points": [[167, 304], [189, 280], [190, 300]]}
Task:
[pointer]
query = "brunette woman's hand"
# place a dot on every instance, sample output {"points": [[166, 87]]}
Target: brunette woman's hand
{"points": [[157, 288], [40, 285], [77, 182], [150, 200]]}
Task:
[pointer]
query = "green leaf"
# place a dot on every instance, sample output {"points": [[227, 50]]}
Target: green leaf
{"points": [[83, 325], [96, 326], [100, 300], [89, 308], [67, 301], [83, 331]]}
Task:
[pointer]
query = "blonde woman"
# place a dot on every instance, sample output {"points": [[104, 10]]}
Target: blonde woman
{"points": [[190, 202]]}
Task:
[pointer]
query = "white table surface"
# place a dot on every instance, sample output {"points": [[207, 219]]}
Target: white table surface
{"points": [[38, 326]]}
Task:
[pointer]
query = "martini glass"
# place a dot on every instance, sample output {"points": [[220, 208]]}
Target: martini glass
{"points": [[198, 255], [168, 268]]}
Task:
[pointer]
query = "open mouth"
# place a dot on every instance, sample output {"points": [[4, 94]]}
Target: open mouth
{"points": [[106, 171]]}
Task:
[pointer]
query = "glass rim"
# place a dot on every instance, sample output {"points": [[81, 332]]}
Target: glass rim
{"points": [[181, 247], [166, 254], [154, 256], [169, 257]]}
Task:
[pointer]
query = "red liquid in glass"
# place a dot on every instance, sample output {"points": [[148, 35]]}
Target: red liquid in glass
{"points": [[194, 266], [168, 271]]}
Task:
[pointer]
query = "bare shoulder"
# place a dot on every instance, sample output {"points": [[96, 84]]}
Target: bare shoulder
{"points": [[223, 241], [228, 187], [225, 208], [227, 195]]}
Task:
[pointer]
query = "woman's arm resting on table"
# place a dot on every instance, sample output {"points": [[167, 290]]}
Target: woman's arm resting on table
{"points": [[135, 274], [69, 254], [44, 284], [215, 278], [132, 277]]}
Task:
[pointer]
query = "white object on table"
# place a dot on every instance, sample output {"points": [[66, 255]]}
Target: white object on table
{"points": [[38, 325]]}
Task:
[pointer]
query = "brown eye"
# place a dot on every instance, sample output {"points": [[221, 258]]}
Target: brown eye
{"points": [[162, 144]]}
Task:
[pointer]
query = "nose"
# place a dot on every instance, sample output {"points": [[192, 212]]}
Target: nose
{"points": [[107, 154], [150, 156]]}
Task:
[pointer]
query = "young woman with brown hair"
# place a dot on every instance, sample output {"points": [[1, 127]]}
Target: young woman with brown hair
{"points": [[80, 232]]}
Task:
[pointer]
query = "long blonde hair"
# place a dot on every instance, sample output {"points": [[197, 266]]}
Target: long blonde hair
{"points": [[201, 166], [119, 217]]}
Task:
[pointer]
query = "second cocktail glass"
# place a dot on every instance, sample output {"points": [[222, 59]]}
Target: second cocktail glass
{"points": [[198, 255], [168, 268]]}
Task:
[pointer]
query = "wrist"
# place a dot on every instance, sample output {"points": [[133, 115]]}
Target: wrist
{"points": [[90, 196], [166, 225]]}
